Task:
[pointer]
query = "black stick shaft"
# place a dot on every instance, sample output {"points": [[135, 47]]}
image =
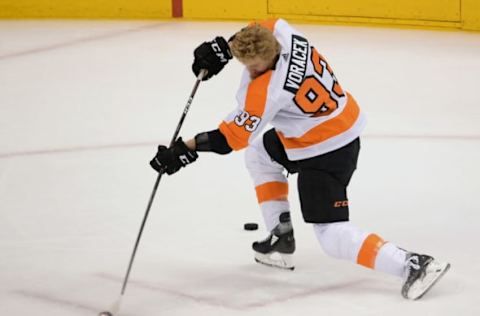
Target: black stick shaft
{"points": [[157, 182]]}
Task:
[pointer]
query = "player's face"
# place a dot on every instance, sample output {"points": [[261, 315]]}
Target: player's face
{"points": [[257, 66]]}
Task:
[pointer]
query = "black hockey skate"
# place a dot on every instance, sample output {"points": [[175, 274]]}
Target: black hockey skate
{"points": [[422, 273], [277, 249]]}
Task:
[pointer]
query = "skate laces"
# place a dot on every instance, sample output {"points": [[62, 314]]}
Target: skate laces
{"points": [[268, 238], [413, 262], [412, 265], [413, 268], [282, 228]]}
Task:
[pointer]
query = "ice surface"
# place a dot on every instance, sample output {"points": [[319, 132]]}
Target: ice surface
{"points": [[83, 105]]}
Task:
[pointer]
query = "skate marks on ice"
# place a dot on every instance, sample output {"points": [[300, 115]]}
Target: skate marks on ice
{"points": [[80, 41], [51, 299], [75, 149], [227, 292], [149, 144]]}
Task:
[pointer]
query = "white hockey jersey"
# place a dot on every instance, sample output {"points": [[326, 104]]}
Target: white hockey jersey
{"points": [[301, 98]]}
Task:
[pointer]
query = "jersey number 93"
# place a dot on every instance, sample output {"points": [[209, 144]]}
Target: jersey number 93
{"points": [[318, 95], [249, 122]]}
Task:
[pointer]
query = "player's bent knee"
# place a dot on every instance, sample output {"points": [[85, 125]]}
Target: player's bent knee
{"points": [[340, 240], [328, 239]]}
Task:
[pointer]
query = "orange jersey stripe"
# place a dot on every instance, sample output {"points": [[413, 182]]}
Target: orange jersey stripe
{"points": [[272, 191], [369, 250], [269, 24], [333, 127], [255, 102]]}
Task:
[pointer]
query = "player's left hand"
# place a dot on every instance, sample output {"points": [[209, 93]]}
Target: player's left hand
{"points": [[172, 159], [211, 56]]}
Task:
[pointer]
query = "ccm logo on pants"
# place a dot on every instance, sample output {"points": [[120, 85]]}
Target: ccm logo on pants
{"points": [[340, 204]]}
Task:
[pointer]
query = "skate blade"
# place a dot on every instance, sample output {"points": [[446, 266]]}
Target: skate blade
{"points": [[276, 260], [418, 291]]}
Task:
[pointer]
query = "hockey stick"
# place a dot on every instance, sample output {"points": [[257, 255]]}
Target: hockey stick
{"points": [[116, 306]]}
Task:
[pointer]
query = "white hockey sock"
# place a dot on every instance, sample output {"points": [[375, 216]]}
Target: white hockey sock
{"points": [[342, 240], [391, 260], [271, 211]]}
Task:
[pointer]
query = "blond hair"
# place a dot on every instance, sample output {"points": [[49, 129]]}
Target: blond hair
{"points": [[254, 40]]}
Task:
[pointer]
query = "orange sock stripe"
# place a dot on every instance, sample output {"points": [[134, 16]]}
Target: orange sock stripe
{"points": [[369, 250], [272, 191]]}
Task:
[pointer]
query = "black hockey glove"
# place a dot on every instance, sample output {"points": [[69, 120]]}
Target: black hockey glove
{"points": [[170, 160], [212, 56]]}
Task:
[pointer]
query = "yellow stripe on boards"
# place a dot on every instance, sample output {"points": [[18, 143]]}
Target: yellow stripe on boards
{"points": [[225, 10], [376, 22], [430, 10], [88, 9], [471, 14], [452, 14]]}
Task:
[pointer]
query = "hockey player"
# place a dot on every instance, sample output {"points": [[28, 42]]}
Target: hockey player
{"points": [[287, 83]]}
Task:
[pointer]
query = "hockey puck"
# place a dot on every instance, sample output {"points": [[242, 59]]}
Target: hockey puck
{"points": [[106, 313], [250, 226]]}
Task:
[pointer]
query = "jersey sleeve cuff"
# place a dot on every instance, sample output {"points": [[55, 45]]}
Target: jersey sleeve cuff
{"points": [[213, 141]]}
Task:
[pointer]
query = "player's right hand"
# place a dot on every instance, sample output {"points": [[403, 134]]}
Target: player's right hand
{"points": [[172, 159], [211, 56]]}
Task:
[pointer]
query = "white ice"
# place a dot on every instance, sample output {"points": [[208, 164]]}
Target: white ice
{"points": [[83, 105]]}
